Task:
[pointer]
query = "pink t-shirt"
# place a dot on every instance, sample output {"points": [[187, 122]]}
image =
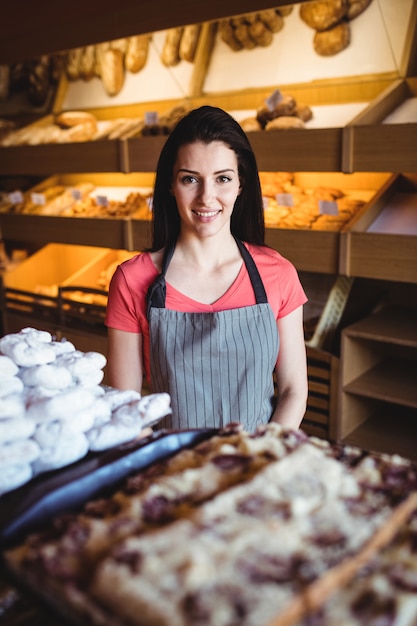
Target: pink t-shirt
{"points": [[126, 309]]}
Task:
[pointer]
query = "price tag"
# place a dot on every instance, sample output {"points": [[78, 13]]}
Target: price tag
{"points": [[274, 99], [265, 202], [76, 194], [38, 198], [151, 118], [102, 200], [149, 202], [328, 207], [285, 199], [16, 197]]}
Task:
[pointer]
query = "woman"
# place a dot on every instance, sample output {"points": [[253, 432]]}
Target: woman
{"points": [[202, 315]]}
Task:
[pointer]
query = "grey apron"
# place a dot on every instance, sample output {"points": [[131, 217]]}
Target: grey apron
{"points": [[217, 367]]}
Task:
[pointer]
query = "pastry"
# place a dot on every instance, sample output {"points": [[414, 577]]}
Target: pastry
{"points": [[189, 41], [67, 119], [249, 529], [87, 63], [272, 19], [170, 54], [250, 124], [260, 33], [137, 53], [227, 35], [112, 71], [284, 122], [356, 7], [333, 40], [323, 14]]}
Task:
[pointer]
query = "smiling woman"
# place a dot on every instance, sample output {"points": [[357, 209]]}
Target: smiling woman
{"points": [[209, 313]]}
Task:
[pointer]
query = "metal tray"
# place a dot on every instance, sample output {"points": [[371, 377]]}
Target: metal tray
{"points": [[38, 501]]}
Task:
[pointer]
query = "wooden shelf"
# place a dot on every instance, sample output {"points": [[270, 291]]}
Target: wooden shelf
{"points": [[378, 374], [397, 326], [391, 381], [389, 432]]}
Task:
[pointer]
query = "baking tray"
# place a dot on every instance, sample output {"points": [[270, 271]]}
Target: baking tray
{"points": [[33, 505]]}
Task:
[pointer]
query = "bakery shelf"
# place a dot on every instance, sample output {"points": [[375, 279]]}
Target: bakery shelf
{"points": [[98, 156], [385, 134], [320, 418], [388, 431], [319, 250], [381, 241], [377, 377]]}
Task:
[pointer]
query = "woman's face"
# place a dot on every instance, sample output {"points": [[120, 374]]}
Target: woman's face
{"points": [[205, 185]]}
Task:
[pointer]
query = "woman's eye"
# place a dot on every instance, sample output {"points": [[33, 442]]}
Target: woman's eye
{"points": [[187, 180], [224, 179]]}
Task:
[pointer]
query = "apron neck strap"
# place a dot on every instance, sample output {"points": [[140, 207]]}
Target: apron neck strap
{"points": [[255, 277]]}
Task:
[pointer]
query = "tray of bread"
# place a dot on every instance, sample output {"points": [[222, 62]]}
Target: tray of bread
{"points": [[270, 528]]}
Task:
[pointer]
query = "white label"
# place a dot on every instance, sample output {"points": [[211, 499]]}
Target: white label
{"points": [[102, 200], [285, 199], [265, 202], [76, 194], [274, 99], [38, 198], [16, 197], [149, 202], [151, 118], [328, 207]]}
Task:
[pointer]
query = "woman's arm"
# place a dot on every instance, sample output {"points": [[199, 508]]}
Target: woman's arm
{"points": [[291, 371], [124, 359]]}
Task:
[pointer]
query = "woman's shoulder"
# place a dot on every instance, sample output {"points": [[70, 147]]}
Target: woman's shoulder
{"points": [[138, 268]]}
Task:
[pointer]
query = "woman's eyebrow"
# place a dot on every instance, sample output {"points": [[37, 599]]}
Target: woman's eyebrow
{"points": [[184, 169]]}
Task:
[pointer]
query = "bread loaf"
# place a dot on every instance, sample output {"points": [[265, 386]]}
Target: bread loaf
{"points": [[284, 122], [189, 41], [170, 55], [112, 71], [137, 53], [227, 35], [272, 20]]}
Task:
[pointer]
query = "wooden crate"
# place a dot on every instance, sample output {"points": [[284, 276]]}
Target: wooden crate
{"points": [[319, 250], [383, 254], [384, 136], [111, 232], [321, 416]]}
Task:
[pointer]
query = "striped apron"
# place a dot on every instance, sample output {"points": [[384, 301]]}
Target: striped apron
{"points": [[217, 367]]}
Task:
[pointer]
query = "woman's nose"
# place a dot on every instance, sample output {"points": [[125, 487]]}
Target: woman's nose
{"points": [[206, 191]]}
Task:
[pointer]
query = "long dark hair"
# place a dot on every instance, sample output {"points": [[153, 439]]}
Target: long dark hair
{"points": [[207, 124]]}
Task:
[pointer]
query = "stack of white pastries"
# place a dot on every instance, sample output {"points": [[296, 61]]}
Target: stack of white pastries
{"points": [[54, 408]]}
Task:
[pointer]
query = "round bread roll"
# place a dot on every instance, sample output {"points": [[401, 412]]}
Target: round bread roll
{"points": [[250, 124], [272, 20], [62, 405], [261, 34], [356, 7], [323, 14], [227, 35], [284, 122], [332, 41]]}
